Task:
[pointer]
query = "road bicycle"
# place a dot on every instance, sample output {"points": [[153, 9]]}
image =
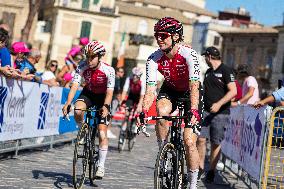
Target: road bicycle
{"points": [[170, 163], [129, 135], [86, 153]]}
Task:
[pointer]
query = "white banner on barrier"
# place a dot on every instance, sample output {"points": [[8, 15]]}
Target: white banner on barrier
{"points": [[244, 138], [28, 109]]}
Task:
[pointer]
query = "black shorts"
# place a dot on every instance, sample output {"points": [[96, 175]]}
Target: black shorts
{"points": [[91, 99], [134, 98], [173, 96]]}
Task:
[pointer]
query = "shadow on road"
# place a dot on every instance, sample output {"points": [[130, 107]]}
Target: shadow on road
{"points": [[59, 178]]}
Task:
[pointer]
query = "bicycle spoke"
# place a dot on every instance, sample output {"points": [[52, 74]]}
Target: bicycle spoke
{"points": [[164, 170], [80, 160]]}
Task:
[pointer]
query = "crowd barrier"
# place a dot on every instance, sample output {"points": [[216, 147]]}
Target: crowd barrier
{"points": [[254, 142], [29, 110], [273, 176]]}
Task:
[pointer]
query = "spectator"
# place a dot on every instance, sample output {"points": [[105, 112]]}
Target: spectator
{"points": [[49, 74], [277, 96], [219, 81], [5, 57], [76, 50], [119, 73], [20, 52], [249, 86], [27, 67], [67, 72]]}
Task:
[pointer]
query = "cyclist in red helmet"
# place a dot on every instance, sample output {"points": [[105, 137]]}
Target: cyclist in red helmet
{"points": [[179, 64], [98, 91]]}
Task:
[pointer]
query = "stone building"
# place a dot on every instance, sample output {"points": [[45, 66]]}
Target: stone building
{"points": [[278, 66], [137, 20], [14, 14], [64, 22], [256, 47]]}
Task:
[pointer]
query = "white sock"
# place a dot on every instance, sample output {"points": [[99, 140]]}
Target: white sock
{"points": [[193, 174], [102, 157]]}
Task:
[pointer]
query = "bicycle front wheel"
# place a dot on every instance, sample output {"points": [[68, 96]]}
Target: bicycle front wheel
{"points": [[131, 136], [121, 140], [81, 157], [166, 168]]}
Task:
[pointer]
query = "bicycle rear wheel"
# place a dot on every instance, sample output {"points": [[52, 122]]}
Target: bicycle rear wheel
{"points": [[165, 168], [93, 156], [81, 157]]}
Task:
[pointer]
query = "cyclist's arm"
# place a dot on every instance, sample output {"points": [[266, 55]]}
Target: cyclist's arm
{"points": [[72, 92], [194, 75], [125, 89], [110, 85], [108, 97], [151, 83], [149, 97]]}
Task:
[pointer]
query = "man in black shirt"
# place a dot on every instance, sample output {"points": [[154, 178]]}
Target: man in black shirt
{"points": [[219, 89]]}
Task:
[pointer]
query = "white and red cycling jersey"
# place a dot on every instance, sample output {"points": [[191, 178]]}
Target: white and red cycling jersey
{"points": [[98, 80], [177, 72], [137, 88]]}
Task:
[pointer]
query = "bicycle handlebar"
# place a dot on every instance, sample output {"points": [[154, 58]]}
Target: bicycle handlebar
{"points": [[72, 108]]}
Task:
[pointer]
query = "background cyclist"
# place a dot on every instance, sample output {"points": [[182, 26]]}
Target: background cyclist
{"points": [[133, 93], [179, 65], [98, 91]]}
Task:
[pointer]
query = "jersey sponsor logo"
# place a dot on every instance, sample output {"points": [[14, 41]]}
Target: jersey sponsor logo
{"points": [[3, 95], [196, 69], [42, 110]]}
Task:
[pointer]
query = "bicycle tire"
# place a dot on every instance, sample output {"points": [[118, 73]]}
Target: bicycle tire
{"points": [[80, 158], [131, 135], [163, 177], [179, 171], [93, 156], [122, 137]]}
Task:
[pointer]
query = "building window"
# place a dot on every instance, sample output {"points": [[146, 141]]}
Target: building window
{"points": [[95, 2], [142, 27], [268, 65], [85, 4], [216, 40], [250, 54], [85, 29]]}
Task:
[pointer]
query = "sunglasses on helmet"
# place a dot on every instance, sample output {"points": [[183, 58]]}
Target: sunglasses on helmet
{"points": [[162, 35]]}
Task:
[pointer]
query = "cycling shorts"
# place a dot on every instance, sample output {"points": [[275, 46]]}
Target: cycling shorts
{"points": [[173, 96], [91, 99]]}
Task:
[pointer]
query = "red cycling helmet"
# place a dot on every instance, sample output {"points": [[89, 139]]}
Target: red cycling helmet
{"points": [[170, 25]]}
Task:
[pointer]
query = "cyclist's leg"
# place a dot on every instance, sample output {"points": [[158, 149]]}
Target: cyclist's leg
{"points": [[103, 144], [192, 156], [164, 108], [82, 102]]}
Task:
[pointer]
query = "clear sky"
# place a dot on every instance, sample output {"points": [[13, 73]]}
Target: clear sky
{"points": [[267, 12]]}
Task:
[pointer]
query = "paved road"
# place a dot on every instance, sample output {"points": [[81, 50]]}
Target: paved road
{"points": [[52, 168]]}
